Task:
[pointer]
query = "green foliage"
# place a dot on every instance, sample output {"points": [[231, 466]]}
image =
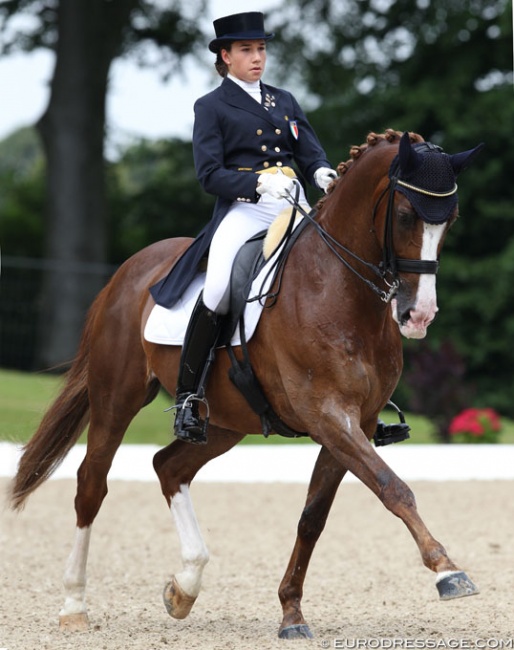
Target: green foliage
{"points": [[22, 198], [154, 194], [152, 187], [155, 35], [442, 68]]}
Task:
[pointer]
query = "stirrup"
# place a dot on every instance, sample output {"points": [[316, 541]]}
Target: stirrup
{"points": [[386, 434], [195, 430]]}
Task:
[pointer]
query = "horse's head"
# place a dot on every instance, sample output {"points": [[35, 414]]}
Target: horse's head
{"points": [[422, 204]]}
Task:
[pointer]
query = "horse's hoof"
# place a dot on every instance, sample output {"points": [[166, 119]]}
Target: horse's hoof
{"points": [[295, 632], [455, 584], [74, 622], [178, 604]]}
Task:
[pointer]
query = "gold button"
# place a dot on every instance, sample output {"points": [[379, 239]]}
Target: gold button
{"points": [[278, 131], [277, 149], [266, 164], [259, 131], [264, 148]]}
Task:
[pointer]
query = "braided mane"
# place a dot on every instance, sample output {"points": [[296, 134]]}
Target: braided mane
{"points": [[356, 151]]}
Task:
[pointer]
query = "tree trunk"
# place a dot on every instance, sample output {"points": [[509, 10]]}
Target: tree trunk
{"points": [[72, 131]]}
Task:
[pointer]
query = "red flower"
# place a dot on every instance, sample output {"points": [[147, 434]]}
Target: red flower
{"points": [[476, 425]]}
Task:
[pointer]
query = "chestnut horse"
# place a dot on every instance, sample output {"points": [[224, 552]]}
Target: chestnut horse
{"points": [[328, 356]]}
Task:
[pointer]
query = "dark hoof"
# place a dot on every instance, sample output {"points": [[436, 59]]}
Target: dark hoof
{"points": [[295, 632], [455, 584]]}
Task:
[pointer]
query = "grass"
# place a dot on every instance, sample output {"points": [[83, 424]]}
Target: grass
{"points": [[24, 397]]}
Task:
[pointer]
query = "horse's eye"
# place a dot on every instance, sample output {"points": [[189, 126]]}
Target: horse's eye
{"points": [[407, 218]]}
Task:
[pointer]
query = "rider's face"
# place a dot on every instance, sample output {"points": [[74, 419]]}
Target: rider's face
{"points": [[246, 59]]}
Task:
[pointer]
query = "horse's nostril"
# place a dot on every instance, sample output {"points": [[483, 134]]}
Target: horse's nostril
{"points": [[405, 317]]}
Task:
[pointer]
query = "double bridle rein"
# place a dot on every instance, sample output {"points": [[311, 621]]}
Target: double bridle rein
{"points": [[391, 265]]}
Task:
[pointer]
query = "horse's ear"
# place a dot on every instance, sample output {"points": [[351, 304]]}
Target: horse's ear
{"points": [[461, 161], [408, 158]]}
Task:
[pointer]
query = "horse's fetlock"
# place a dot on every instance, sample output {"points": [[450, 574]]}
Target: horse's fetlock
{"points": [[437, 560]]}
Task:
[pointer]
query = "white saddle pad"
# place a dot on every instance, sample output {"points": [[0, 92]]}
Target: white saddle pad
{"points": [[168, 326]]}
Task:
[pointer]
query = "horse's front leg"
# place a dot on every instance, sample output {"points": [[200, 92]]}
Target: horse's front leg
{"points": [[325, 480], [353, 450]]}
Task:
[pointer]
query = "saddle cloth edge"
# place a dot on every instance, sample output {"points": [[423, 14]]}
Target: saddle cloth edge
{"points": [[168, 326]]}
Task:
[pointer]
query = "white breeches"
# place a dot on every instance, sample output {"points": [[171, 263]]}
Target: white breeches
{"points": [[242, 221]]}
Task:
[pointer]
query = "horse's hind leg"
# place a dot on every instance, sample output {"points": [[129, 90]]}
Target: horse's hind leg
{"points": [[325, 480], [116, 396], [176, 465]]}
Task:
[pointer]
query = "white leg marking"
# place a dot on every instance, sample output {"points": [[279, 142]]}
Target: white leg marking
{"points": [[193, 550], [75, 574]]}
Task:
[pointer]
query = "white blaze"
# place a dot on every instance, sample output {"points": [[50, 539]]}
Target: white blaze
{"points": [[425, 304]]}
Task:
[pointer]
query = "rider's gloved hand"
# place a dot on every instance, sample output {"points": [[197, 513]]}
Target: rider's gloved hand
{"points": [[279, 186], [323, 177]]}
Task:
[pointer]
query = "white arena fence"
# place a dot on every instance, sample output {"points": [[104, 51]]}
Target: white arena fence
{"points": [[294, 463]]}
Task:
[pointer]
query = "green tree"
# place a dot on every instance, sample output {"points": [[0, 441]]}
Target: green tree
{"points": [[442, 68], [86, 36], [154, 194], [23, 194]]}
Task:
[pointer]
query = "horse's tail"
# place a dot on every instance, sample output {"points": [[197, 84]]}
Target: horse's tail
{"points": [[60, 427]]}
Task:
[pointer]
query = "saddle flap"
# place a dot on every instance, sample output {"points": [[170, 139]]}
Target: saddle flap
{"points": [[247, 265]]}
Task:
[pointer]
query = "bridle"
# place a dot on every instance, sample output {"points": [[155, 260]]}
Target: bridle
{"points": [[391, 265]]}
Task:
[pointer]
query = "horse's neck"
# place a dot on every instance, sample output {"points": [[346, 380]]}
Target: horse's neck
{"points": [[348, 218]]}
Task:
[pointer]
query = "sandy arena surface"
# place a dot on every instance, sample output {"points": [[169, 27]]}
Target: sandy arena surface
{"points": [[366, 585]]}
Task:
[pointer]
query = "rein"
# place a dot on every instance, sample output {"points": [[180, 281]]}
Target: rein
{"points": [[391, 265]]}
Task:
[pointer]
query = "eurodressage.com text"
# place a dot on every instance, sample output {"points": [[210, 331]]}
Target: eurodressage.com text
{"points": [[416, 644]]}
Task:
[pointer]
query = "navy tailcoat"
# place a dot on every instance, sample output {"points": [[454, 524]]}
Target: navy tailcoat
{"points": [[234, 137]]}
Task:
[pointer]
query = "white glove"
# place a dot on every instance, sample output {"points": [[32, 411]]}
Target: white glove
{"points": [[279, 186], [323, 177]]}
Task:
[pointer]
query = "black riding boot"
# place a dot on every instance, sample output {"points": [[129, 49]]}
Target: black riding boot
{"points": [[201, 336]]}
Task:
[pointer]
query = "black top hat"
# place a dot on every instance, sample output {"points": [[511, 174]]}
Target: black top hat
{"points": [[239, 27]]}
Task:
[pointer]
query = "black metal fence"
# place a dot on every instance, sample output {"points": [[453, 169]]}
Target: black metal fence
{"points": [[21, 282]]}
